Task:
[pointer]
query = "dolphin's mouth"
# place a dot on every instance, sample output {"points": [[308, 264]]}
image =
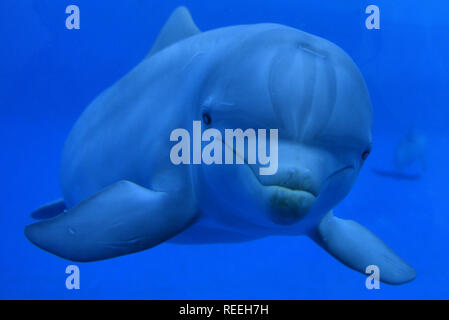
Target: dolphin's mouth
{"points": [[288, 196], [289, 180], [293, 185], [288, 206], [292, 190]]}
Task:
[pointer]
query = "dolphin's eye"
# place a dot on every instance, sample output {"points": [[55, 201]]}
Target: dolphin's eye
{"points": [[365, 154], [206, 118]]}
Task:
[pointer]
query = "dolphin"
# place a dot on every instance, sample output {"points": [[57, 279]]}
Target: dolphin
{"points": [[409, 157], [122, 194], [411, 150]]}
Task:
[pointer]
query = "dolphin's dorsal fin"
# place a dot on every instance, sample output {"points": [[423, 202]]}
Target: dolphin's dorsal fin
{"points": [[179, 26]]}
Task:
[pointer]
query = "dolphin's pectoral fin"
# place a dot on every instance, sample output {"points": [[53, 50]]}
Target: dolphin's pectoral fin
{"points": [[121, 219], [49, 210], [357, 247], [179, 26]]}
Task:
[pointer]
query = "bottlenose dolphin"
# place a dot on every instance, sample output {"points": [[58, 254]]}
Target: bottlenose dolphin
{"points": [[409, 157], [411, 150], [122, 194]]}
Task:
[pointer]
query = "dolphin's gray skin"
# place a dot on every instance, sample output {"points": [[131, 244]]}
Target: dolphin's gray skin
{"points": [[123, 194]]}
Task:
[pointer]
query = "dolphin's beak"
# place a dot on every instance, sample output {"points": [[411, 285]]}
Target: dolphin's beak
{"points": [[288, 206], [291, 194]]}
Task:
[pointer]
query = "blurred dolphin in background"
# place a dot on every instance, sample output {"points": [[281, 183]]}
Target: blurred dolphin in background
{"points": [[409, 157], [410, 151]]}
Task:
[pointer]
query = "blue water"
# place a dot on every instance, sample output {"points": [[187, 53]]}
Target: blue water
{"points": [[48, 75]]}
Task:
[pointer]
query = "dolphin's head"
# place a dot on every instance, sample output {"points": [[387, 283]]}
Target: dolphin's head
{"points": [[314, 95]]}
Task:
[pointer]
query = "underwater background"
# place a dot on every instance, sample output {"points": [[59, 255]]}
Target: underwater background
{"points": [[49, 74]]}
